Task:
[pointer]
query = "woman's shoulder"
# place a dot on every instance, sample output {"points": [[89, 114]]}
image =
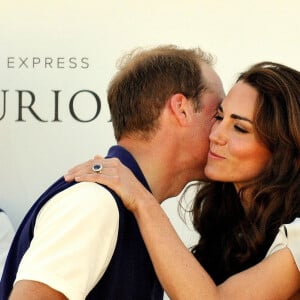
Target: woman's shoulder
{"points": [[288, 236], [293, 227]]}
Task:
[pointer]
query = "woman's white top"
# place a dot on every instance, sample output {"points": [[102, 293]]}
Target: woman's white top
{"points": [[288, 236]]}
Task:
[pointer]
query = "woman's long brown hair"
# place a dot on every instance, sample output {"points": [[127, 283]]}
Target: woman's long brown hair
{"points": [[232, 241]]}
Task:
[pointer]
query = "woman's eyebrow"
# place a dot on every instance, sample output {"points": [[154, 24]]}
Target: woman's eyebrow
{"points": [[235, 116]]}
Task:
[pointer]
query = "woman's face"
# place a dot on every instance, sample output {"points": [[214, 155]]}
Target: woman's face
{"points": [[236, 154]]}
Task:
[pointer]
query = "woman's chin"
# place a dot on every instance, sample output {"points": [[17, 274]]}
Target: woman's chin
{"points": [[211, 174]]}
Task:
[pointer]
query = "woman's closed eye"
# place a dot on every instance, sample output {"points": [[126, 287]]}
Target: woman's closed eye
{"points": [[240, 129]]}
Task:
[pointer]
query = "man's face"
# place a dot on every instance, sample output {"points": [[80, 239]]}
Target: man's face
{"points": [[204, 119]]}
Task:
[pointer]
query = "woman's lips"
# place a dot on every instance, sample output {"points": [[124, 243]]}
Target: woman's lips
{"points": [[215, 155]]}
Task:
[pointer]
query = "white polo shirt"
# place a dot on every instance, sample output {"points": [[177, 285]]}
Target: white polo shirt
{"points": [[74, 239]]}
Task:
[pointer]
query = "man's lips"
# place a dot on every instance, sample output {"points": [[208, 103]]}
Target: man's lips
{"points": [[215, 155]]}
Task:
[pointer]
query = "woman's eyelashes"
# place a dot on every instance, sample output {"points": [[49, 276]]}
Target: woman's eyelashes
{"points": [[219, 117], [241, 129]]}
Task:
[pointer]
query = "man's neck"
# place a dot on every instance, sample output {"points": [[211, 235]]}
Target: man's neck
{"points": [[159, 165]]}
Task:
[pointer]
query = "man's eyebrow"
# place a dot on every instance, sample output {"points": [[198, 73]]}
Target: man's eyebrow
{"points": [[235, 116]]}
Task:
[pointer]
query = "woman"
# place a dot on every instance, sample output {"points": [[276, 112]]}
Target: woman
{"points": [[248, 214]]}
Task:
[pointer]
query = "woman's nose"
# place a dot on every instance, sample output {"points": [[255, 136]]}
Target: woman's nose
{"points": [[218, 134]]}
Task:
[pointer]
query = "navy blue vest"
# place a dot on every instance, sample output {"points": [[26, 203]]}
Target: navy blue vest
{"points": [[130, 274]]}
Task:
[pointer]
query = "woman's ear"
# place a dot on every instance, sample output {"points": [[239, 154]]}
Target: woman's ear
{"points": [[180, 108]]}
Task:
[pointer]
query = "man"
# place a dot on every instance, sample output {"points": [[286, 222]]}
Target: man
{"points": [[78, 241], [6, 235]]}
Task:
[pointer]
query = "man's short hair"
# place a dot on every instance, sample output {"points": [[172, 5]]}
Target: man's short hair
{"points": [[146, 79]]}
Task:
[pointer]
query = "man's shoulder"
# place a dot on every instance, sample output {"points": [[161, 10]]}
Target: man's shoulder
{"points": [[83, 198]]}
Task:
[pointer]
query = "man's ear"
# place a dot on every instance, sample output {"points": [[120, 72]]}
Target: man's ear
{"points": [[180, 108]]}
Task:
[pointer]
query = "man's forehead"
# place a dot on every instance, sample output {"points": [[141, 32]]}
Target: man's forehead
{"points": [[210, 100], [212, 80]]}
